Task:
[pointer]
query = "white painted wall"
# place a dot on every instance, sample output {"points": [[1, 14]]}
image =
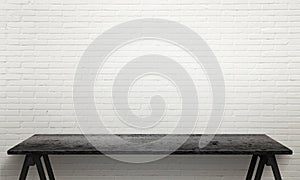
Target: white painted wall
{"points": [[256, 43]]}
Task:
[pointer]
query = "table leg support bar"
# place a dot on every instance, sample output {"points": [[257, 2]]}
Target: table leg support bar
{"points": [[34, 159], [268, 160]]}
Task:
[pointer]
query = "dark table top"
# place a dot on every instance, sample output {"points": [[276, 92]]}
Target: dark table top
{"points": [[221, 144]]}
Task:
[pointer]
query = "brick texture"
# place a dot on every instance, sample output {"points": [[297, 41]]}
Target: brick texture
{"points": [[255, 41]]}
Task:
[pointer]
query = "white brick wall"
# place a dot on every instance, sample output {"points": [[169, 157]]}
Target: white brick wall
{"points": [[255, 41]]}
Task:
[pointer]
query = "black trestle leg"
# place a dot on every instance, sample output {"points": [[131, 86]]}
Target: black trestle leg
{"points": [[39, 166], [35, 159], [268, 160], [48, 167], [273, 163], [260, 168], [251, 167], [27, 163]]}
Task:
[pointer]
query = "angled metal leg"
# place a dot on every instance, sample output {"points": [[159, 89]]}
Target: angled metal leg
{"points": [[27, 163], [35, 159], [39, 166], [273, 163], [260, 168], [251, 167], [48, 167]]}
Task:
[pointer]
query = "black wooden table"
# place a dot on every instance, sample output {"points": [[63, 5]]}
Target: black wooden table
{"points": [[260, 146]]}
